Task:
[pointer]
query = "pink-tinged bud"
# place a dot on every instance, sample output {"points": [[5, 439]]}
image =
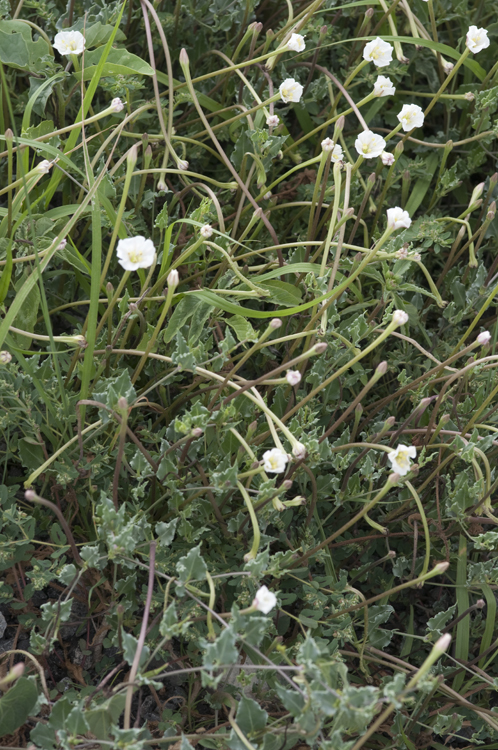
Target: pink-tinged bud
{"points": [[387, 158], [183, 164], [30, 495], [9, 135], [183, 56], [272, 121], [484, 338], [62, 244], [381, 369], [173, 279], [5, 357], [17, 670], [391, 554], [299, 451], [287, 484], [197, 432], [320, 347], [117, 105], [441, 568], [480, 604], [293, 377], [122, 403], [390, 422], [275, 323], [369, 13], [162, 187], [339, 126], [393, 478], [371, 177], [469, 96], [442, 644], [491, 211], [109, 288]]}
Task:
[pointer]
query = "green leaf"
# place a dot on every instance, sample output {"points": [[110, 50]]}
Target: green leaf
{"points": [[31, 455], [250, 717], [166, 532], [243, 329], [191, 566], [222, 651], [184, 309], [16, 705], [119, 62], [130, 645], [101, 719]]}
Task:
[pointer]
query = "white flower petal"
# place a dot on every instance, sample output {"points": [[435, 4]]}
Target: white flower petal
{"points": [[290, 90], [379, 52], [135, 252], [369, 145], [69, 42]]}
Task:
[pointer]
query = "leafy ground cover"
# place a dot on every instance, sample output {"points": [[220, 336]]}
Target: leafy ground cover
{"points": [[248, 388]]}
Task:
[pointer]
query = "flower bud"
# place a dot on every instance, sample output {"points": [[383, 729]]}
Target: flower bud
{"points": [[293, 377], [197, 432], [442, 644], [275, 323], [122, 403], [381, 369], [400, 317], [131, 157], [162, 187], [484, 338], [267, 195], [469, 96], [441, 568], [183, 164], [81, 341], [320, 347], [272, 121], [476, 193], [43, 167], [298, 451], [30, 495], [206, 231], [387, 158], [183, 57], [393, 478], [398, 150], [173, 279], [287, 484], [117, 105], [109, 288], [480, 604], [5, 357]]}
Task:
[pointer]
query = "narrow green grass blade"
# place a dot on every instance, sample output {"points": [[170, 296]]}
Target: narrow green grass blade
{"points": [[489, 629], [462, 596]]}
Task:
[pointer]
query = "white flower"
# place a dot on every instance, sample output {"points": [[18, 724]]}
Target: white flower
{"points": [[484, 338], [274, 460], [265, 600], [400, 458], [44, 167], [272, 121], [298, 451], [293, 377], [387, 158], [447, 66], [206, 231], [5, 357], [477, 39], [400, 317], [397, 218], [369, 145], [384, 87], [290, 90], [62, 244], [378, 52], [117, 104], [411, 116], [329, 145], [173, 278], [267, 195], [135, 252], [69, 42], [296, 43]]}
